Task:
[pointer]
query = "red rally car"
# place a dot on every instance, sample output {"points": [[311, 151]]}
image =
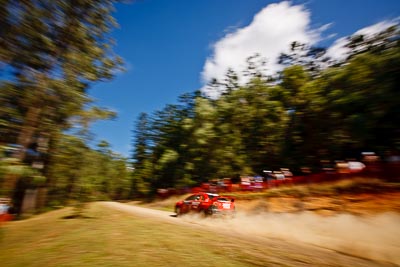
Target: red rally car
{"points": [[207, 203]]}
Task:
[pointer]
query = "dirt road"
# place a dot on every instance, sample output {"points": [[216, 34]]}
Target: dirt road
{"points": [[343, 240]]}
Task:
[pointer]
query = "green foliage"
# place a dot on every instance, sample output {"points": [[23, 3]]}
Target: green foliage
{"points": [[81, 174]]}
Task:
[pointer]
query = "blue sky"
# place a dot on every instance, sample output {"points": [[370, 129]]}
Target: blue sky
{"points": [[171, 47]]}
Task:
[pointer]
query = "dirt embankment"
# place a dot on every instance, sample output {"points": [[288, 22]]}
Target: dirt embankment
{"points": [[356, 204]]}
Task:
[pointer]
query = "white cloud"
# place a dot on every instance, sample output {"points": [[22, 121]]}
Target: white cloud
{"points": [[270, 33], [338, 51], [376, 28]]}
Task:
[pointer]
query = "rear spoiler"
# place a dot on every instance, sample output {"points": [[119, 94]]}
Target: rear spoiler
{"points": [[227, 197]]}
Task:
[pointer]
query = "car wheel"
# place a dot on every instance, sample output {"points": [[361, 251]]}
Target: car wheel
{"points": [[208, 212], [178, 211], [205, 212]]}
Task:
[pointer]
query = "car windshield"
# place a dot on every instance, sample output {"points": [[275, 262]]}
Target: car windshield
{"points": [[192, 197], [211, 196]]}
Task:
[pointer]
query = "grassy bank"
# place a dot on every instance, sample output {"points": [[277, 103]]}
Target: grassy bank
{"points": [[111, 238]]}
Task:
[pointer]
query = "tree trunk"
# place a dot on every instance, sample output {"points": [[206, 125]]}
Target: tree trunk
{"points": [[28, 129]]}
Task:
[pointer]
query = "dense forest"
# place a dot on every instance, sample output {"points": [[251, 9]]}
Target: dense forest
{"points": [[315, 109]]}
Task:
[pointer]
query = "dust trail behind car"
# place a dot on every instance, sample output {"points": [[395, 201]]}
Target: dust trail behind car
{"points": [[369, 237], [374, 237]]}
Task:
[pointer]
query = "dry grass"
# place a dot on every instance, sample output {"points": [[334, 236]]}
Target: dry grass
{"points": [[107, 238], [111, 238]]}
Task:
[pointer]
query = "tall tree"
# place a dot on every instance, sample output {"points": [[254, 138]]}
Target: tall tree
{"points": [[50, 54], [141, 157]]}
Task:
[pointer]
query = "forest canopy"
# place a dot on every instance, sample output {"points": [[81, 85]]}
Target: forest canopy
{"points": [[315, 109]]}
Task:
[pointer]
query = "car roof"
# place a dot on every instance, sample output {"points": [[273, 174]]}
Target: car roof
{"points": [[210, 194]]}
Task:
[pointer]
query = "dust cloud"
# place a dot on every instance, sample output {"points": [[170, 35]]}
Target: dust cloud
{"points": [[373, 237]]}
